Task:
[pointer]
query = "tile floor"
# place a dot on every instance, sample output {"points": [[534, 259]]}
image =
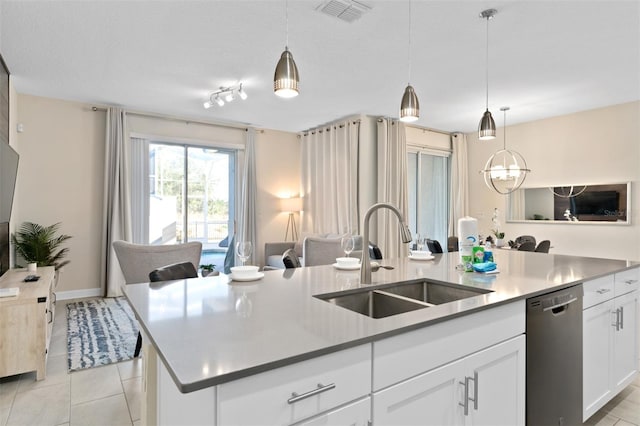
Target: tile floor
{"points": [[110, 395]]}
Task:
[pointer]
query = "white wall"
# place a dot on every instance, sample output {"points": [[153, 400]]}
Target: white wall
{"points": [[596, 146], [60, 177]]}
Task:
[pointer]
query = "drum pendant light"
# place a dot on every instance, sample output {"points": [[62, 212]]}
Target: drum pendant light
{"points": [[286, 78], [409, 106], [487, 127]]}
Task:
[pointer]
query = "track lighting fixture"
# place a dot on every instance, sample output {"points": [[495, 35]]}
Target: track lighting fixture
{"points": [[487, 127], [227, 94]]}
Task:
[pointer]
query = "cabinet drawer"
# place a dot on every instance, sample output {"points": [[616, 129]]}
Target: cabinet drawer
{"points": [[406, 355], [597, 291], [298, 391], [626, 281]]}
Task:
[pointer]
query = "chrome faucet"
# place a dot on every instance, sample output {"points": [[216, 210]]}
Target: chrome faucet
{"points": [[365, 263]]}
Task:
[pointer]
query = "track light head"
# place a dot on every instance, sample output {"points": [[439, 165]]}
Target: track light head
{"points": [[242, 93], [229, 97], [219, 100], [208, 104]]}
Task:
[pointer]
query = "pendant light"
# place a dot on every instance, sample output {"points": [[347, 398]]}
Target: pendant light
{"points": [[487, 127], [505, 170], [286, 79], [409, 106]]}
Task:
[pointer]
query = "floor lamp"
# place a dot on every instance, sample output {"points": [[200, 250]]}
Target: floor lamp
{"points": [[291, 206]]}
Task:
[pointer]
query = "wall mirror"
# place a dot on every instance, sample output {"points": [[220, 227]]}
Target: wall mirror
{"points": [[606, 204]]}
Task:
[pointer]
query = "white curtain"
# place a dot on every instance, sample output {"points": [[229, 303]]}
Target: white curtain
{"points": [[247, 219], [116, 222], [459, 200], [140, 190], [392, 185], [515, 205], [330, 178]]}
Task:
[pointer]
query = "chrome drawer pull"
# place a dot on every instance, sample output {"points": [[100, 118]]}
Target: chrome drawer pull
{"points": [[631, 281], [321, 388], [603, 290]]}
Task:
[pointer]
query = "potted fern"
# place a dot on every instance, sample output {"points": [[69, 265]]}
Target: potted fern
{"points": [[41, 244]]}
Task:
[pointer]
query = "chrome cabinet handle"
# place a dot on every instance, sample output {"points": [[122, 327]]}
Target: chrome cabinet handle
{"points": [[475, 390], [617, 323], [465, 404], [603, 290], [621, 317], [631, 281], [321, 388]]}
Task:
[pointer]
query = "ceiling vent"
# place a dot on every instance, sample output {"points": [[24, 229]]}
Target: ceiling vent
{"points": [[345, 10]]}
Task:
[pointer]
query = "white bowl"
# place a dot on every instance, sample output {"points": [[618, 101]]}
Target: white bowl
{"points": [[420, 253], [244, 271], [347, 261]]}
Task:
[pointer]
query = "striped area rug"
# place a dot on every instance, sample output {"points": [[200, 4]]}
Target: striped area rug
{"points": [[100, 332]]}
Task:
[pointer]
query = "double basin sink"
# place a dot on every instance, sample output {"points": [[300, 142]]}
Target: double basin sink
{"points": [[398, 298]]}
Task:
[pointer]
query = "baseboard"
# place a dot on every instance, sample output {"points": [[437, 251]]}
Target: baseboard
{"points": [[78, 294]]}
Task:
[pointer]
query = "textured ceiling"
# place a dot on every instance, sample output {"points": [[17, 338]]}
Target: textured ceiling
{"points": [[547, 58]]}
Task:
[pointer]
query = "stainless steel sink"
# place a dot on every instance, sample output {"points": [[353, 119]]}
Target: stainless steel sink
{"points": [[396, 299], [434, 293], [375, 303]]}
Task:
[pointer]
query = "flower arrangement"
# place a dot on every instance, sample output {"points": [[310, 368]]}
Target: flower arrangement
{"points": [[496, 224]]}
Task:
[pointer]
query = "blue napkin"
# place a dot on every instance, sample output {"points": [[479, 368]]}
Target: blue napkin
{"points": [[484, 266]]}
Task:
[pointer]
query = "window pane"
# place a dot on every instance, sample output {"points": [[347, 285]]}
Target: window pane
{"points": [[428, 196], [166, 192]]}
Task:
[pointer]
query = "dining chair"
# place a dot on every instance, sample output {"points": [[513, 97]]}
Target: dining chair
{"points": [[525, 238], [290, 259], [452, 244], [434, 246], [321, 251], [543, 246], [138, 261], [527, 246]]}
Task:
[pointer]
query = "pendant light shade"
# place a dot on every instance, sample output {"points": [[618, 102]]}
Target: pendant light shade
{"points": [[487, 127], [409, 107], [286, 79], [505, 170]]}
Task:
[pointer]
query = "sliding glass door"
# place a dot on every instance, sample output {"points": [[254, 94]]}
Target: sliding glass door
{"points": [[428, 195], [191, 197]]}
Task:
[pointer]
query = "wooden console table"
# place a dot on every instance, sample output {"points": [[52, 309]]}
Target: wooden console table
{"points": [[26, 321]]}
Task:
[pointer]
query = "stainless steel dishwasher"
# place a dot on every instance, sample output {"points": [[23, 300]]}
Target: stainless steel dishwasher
{"points": [[554, 358]]}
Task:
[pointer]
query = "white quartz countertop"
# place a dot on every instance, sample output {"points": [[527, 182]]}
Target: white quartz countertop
{"points": [[211, 330]]}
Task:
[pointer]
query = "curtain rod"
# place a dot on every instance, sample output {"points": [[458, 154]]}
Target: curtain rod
{"points": [[442, 132], [172, 118], [328, 127]]}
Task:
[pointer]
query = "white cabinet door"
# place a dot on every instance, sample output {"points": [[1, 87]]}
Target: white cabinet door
{"points": [[431, 398], [625, 341], [492, 381], [597, 352], [356, 414], [497, 384]]}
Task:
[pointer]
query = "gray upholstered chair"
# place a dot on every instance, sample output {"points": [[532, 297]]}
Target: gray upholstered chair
{"points": [[137, 260], [321, 251], [527, 246]]}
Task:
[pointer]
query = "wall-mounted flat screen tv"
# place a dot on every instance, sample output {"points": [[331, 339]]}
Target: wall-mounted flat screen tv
{"points": [[8, 173]]}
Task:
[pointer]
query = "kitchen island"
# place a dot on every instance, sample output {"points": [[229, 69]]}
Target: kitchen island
{"points": [[217, 352]]}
